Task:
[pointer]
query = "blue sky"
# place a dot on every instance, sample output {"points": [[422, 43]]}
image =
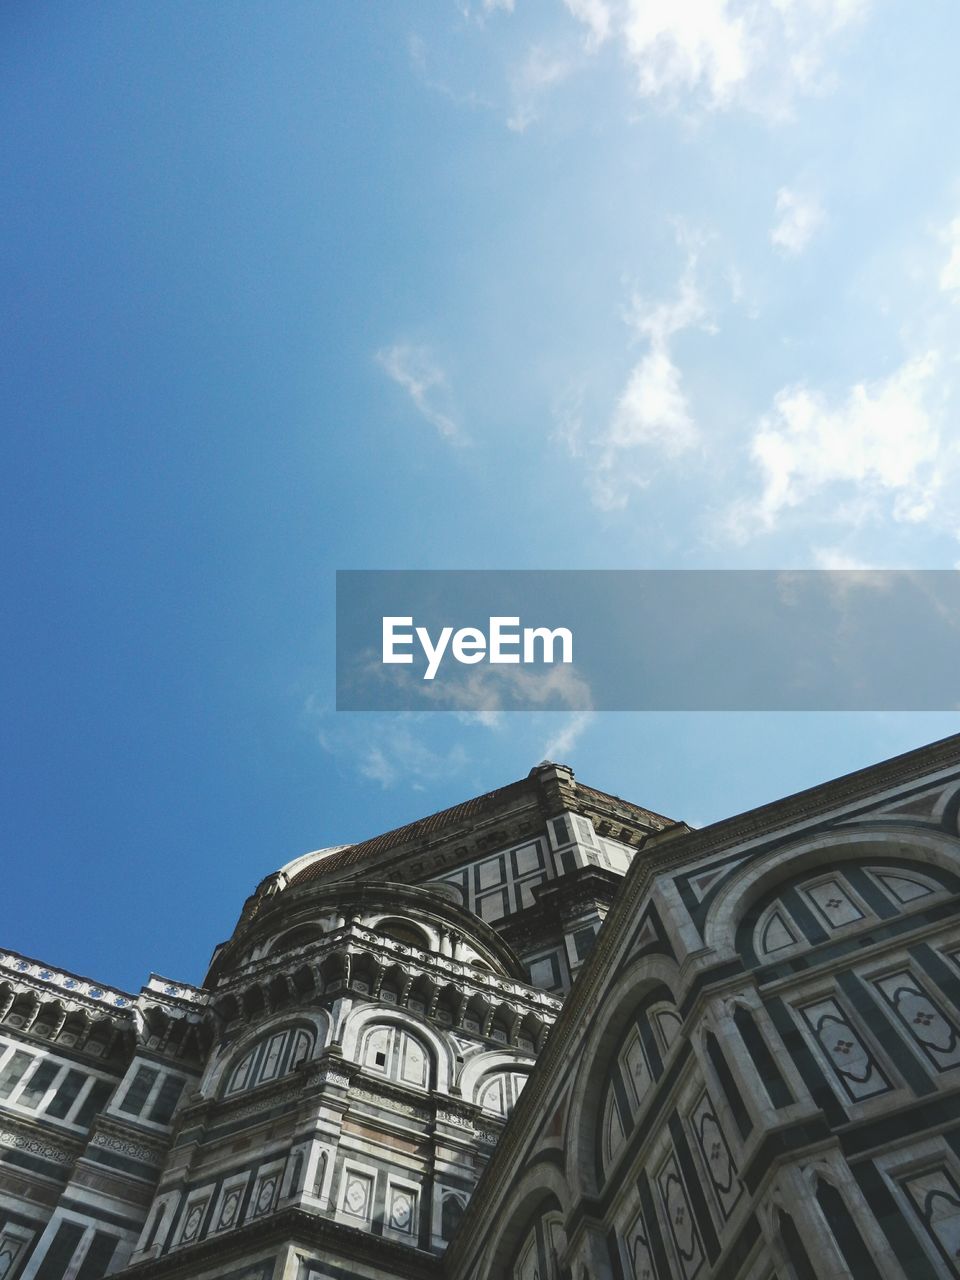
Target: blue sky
{"points": [[294, 287]]}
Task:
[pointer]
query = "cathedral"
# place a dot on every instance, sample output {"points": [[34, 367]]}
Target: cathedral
{"points": [[545, 1034]]}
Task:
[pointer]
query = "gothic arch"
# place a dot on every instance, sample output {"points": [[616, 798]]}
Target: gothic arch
{"points": [[749, 883], [452, 1207]]}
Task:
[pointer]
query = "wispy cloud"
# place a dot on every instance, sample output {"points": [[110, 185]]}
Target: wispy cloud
{"points": [[596, 16], [483, 693], [399, 756], [390, 749], [537, 74], [716, 54], [799, 217], [950, 274], [835, 558], [479, 12], [417, 49], [652, 418], [417, 372], [561, 743], [880, 442], [417, 751]]}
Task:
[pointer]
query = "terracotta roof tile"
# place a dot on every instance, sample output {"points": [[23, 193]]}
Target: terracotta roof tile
{"points": [[456, 815], [422, 829]]}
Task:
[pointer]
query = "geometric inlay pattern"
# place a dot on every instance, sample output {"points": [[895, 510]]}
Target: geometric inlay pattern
{"points": [[936, 1197], [716, 1154], [923, 1020], [637, 1248], [679, 1217], [855, 1067]]}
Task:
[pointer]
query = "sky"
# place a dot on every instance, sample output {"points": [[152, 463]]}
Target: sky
{"points": [[566, 284]]}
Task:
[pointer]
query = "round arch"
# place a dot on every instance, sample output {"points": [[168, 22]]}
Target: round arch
{"points": [[542, 1189], [314, 1020], [357, 1020], [401, 929], [298, 935], [905, 844], [639, 979], [479, 1065]]}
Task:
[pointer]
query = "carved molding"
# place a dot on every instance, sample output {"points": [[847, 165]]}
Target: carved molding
{"points": [[35, 1146]]}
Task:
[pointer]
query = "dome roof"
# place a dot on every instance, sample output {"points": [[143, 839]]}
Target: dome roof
{"points": [[296, 865]]}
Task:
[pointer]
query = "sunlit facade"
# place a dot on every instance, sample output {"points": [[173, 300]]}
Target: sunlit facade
{"points": [[544, 1034]]}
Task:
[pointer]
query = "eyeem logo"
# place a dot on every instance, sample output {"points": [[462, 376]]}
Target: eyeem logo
{"points": [[505, 641]]}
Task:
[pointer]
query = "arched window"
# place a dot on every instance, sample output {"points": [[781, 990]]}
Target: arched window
{"points": [[301, 936], [451, 1211], [392, 1052], [274, 1056], [498, 1092], [402, 931]]}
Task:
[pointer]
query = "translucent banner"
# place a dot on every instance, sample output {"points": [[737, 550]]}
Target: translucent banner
{"points": [[638, 640]]}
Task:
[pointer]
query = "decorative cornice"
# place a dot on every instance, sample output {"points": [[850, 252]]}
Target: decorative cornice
{"points": [[126, 1147], [350, 899], [355, 940], [59, 983], [301, 1228], [167, 992], [36, 1139], [122, 1138], [75, 993]]}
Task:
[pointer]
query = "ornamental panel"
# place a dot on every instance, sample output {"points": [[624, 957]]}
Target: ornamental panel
{"points": [[855, 1068], [936, 1197], [681, 1223], [922, 1018], [717, 1157], [637, 1255]]}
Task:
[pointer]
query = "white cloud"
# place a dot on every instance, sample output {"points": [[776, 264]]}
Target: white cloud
{"points": [[478, 13], [716, 53], [414, 750], [389, 748], [653, 409], [651, 419], [882, 441], [485, 692], [561, 743], [400, 756], [950, 275], [596, 17], [417, 49], [836, 559], [679, 48], [799, 218], [539, 72], [416, 371]]}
